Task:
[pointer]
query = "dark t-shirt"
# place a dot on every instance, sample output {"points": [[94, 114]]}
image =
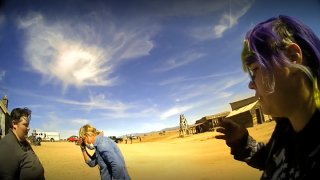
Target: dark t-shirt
{"points": [[18, 160], [288, 155]]}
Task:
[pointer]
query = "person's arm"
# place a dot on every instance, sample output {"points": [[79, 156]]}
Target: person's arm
{"points": [[90, 160], [250, 151], [243, 147], [112, 156], [260, 153], [86, 155]]}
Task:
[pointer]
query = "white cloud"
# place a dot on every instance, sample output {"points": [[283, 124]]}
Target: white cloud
{"points": [[80, 122], [85, 54], [2, 74], [149, 127], [94, 102], [174, 111], [185, 7], [112, 132], [136, 46], [191, 107], [64, 134], [200, 93], [228, 20], [138, 112], [54, 123], [50, 123], [181, 79], [180, 60], [201, 90], [234, 11]]}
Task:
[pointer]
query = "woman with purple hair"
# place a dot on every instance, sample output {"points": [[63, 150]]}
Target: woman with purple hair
{"points": [[282, 57]]}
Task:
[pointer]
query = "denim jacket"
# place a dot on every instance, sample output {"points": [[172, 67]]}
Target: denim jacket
{"points": [[110, 160]]}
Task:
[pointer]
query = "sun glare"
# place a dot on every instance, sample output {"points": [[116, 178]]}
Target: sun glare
{"points": [[80, 66]]}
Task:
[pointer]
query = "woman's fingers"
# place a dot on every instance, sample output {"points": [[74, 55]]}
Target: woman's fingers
{"points": [[221, 136], [221, 130]]}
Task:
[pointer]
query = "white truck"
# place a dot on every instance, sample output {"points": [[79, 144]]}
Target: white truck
{"points": [[46, 136]]}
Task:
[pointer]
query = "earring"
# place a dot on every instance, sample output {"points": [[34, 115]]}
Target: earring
{"points": [[316, 93]]}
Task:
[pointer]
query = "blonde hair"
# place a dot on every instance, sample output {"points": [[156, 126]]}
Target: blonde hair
{"points": [[88, 130]]}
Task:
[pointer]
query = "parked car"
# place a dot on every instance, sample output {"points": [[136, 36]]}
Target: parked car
{"points": [[116, 139], [73, 139]]}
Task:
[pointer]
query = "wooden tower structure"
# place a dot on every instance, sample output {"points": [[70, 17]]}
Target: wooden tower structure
{"points": [[184, 129]]}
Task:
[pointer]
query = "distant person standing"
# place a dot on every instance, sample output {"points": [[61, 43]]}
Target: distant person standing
{"points": [[17, 158], [107, 154], [130, 137]]}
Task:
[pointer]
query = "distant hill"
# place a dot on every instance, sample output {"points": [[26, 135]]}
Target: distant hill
{"points": [[171, 128], [165, 129]]}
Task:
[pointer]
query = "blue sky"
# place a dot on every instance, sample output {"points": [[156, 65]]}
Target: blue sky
{"points": [[129, 66]]}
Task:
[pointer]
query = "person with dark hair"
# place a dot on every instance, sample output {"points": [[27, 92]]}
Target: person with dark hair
{"points": [[17, 159], [282, 57]]}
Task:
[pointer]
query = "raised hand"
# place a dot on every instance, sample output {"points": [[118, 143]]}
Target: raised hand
{"points": [[82, 144], [232, 132]]}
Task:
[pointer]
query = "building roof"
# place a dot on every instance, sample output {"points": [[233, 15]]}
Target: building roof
{"points": [[3, 108], [216, 116], [212, 117], [238, 104], [242, 109], [194, 125]]}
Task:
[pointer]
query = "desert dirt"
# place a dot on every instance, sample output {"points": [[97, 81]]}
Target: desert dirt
{"points": [[157, 157]]}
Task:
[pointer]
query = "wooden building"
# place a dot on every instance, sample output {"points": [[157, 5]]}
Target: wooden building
{"points": [[247, 112], [4, 116], [207, 123]]}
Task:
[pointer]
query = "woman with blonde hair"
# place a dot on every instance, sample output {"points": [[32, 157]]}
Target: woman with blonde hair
{"points": [[107, 154]]}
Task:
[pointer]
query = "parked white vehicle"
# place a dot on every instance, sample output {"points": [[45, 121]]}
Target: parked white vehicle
{"points": [[46, 136]]}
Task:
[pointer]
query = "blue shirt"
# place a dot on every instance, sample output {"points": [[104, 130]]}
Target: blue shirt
{"points": [[109, 158]]}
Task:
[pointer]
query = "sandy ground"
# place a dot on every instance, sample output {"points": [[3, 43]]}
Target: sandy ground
{"points": [[196, 157]]}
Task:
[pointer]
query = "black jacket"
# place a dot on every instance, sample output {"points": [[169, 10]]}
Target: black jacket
{"points": [[287, 155], [18, 160]]}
